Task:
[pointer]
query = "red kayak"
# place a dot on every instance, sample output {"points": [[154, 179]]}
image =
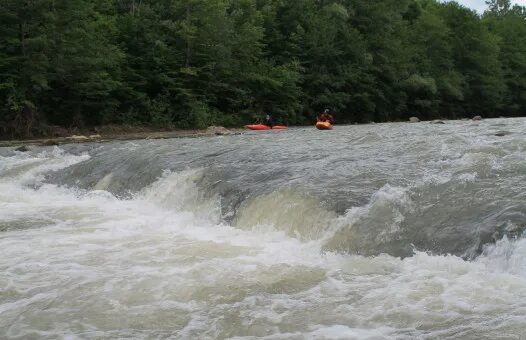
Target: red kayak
{"points": [[265, 127]]}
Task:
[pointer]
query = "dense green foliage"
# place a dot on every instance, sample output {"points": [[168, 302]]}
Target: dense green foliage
{"points": [[193, 63]]}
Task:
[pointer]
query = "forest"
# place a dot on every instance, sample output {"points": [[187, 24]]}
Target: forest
{"points": [[193, 63]]}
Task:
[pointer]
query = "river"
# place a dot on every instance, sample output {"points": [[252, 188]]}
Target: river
{"points": [[381, 231]]}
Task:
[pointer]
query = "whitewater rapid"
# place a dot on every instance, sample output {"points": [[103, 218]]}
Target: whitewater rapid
{"points": [[388, 231]]}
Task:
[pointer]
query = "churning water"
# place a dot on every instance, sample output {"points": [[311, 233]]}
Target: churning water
{"points": [[388, 231]]}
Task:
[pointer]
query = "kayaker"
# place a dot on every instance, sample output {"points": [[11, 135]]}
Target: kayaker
{"points": [[326, 116], [321, 117], [268, 120]]}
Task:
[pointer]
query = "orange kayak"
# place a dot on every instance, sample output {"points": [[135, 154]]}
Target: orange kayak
{"points": [[265, 127], [323, 126]]}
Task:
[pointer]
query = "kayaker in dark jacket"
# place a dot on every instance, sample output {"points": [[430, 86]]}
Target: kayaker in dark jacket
{"points": [[326, 117], [268, 120]]}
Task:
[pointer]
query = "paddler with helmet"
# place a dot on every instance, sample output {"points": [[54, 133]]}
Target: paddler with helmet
{"points": [[326, 117]]}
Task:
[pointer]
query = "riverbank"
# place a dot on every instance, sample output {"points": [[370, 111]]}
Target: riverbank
{"points": [[111, 133], [124, 132]]}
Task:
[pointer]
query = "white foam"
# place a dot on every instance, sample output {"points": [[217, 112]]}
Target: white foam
{"points": [[29, 170], [90, 265]]}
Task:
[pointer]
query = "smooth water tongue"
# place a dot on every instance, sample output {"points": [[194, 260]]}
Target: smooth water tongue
{"points": [[220, 238]]}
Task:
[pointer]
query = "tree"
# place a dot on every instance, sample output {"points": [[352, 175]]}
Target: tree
{"points": [[499, 7], [24, 63], [192, 63], [509, 24]]}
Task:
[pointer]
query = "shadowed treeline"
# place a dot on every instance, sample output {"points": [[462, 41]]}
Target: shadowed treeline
{"points": [[194, 63]]}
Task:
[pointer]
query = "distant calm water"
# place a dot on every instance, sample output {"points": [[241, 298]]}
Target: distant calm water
{"points": [[387, 231]]}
